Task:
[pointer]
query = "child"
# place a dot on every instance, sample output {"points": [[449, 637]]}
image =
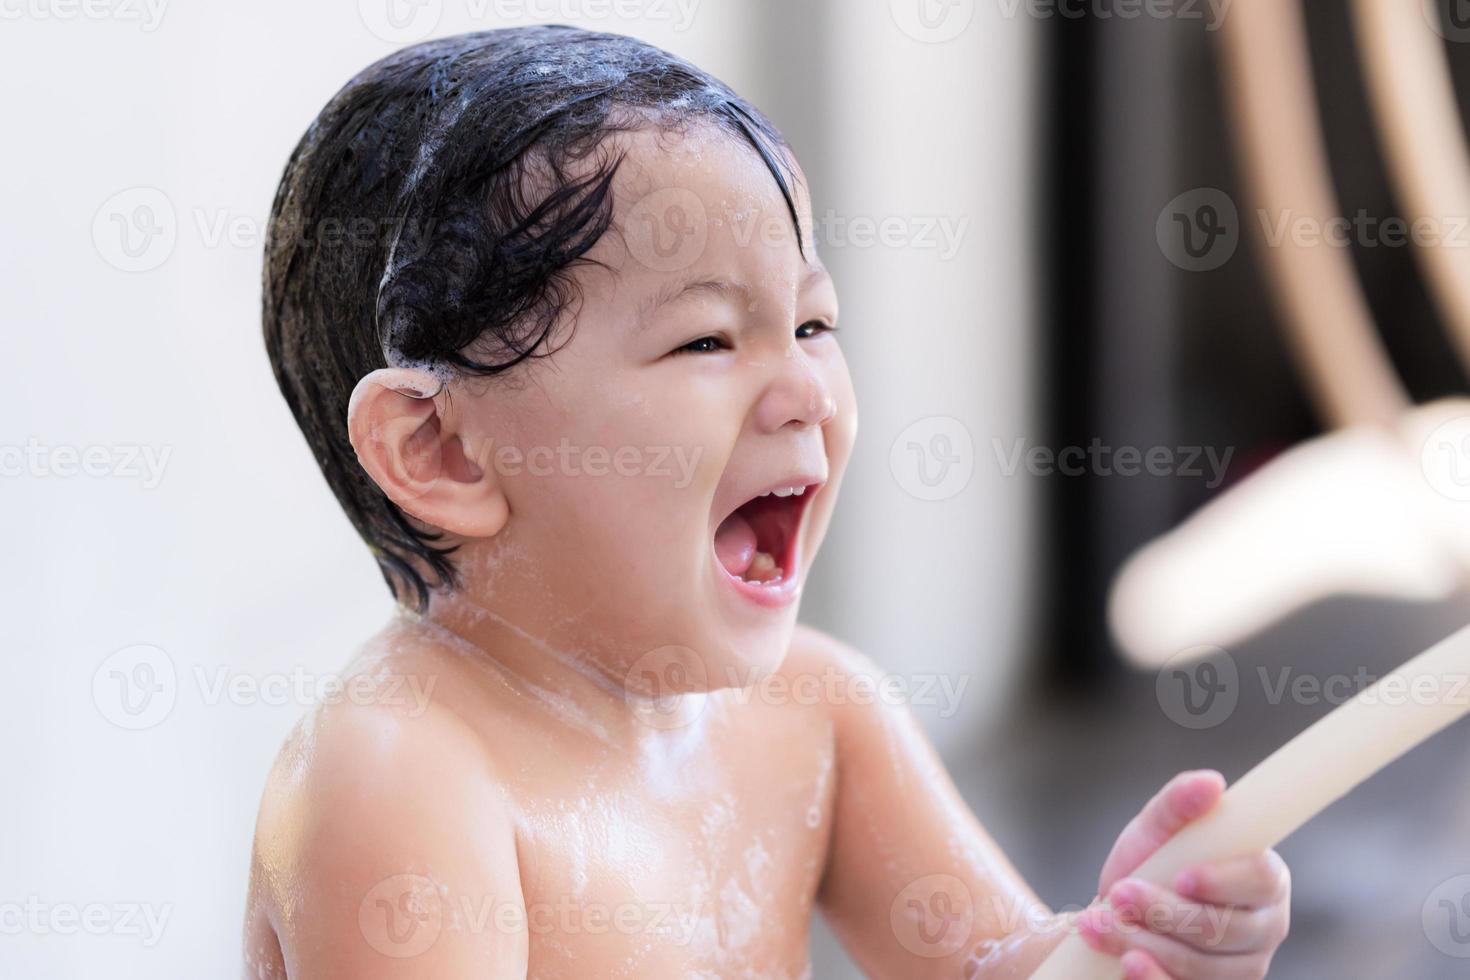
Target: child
{"points": [[547, 307]]}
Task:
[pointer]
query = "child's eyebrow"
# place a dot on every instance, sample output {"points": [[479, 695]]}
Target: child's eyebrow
{"points": [[725, 289], [677, 290]]}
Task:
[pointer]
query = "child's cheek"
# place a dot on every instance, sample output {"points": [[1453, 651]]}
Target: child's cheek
{"points": [[841, 432]]}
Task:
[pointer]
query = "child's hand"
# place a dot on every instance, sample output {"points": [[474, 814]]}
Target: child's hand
{"points": [[1221, 919]]}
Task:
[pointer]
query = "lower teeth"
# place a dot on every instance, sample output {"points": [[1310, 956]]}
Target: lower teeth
{"points": [[762, 569]]}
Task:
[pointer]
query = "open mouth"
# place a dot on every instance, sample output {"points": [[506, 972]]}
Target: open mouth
{"points": [[757, 544]]}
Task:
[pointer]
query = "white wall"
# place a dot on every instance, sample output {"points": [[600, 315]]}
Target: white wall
{"points": [[934, 574], [237, 563]]}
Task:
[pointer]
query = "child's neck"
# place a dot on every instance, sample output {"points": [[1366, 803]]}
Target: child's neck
{"points": [[579, 687]]}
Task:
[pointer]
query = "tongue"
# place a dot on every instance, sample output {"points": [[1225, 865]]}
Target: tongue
{"points": [[735, 544]]}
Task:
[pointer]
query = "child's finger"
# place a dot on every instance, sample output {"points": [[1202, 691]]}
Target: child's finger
{"points": [[1188, 796], [1208, 928], [1138, 965], [1175, 958], [1255, 881]]}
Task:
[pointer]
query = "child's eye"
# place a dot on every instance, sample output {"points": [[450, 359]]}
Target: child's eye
{"points": [[704, 345], [813, 328]]}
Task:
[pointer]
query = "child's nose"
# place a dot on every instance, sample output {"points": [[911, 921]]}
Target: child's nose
{"points": [[797, 396]]}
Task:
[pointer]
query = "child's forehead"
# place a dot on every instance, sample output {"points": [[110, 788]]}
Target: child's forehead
{"points": [[726, 174], [693, 206]]}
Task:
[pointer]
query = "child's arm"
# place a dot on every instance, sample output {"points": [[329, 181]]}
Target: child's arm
{"points": [[915, 888], [389, 853]]}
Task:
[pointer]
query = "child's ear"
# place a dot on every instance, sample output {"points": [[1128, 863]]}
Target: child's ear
{"points": [[407, 441]]}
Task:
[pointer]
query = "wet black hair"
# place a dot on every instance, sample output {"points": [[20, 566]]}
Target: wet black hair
{"points": [[431, 215]]}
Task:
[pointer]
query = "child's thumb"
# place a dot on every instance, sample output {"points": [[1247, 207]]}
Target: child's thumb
{"points": [[1188, 796]]}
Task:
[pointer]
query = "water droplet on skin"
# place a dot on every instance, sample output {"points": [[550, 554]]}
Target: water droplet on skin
{"points": [[813, 817]]}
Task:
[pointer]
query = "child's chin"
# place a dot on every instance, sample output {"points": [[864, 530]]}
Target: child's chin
{"points": [[753, 655]]}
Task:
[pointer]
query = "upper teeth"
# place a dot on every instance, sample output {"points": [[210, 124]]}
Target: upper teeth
{"points": [[786, 492]]}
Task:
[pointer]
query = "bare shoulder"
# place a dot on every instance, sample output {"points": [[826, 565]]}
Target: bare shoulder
{"points": [[375, 815], [357, 763], [851, 685], [813, 649]]}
